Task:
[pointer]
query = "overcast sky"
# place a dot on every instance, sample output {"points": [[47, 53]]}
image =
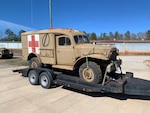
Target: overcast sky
{"points": [[85, 15]]}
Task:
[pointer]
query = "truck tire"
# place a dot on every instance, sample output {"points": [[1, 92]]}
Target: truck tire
{"points": [[91, 73], [33, 77], [46, 80], [10, 56], [34, 62]]}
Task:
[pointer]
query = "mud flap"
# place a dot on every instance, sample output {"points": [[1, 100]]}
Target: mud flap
{"points": [[136, 86]]}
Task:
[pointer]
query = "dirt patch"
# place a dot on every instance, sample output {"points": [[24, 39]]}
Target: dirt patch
{"points": [[147, 63]]}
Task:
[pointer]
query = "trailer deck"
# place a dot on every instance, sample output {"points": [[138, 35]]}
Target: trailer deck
{"points": [[124, 83]]}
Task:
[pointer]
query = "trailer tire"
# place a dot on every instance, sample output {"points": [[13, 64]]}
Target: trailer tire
{"points": [[34, 62], [91, 73], [33, 77], [46, 80]]}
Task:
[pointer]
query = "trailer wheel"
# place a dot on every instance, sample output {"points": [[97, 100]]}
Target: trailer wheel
{"points": [[33, 77], [34, 62], [91, 73], [46, 80]]}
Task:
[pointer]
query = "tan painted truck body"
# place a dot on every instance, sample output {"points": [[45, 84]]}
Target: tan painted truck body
{"points": [[65, 49]]}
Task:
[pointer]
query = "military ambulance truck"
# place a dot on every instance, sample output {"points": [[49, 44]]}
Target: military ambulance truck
{"points": [[53, 52], [67, 49]]}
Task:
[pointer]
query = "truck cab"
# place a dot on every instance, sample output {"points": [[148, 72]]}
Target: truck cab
{"points": [[68, 49]]}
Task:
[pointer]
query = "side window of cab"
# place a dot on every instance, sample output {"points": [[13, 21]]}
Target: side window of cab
{"points": [[64, 41]]}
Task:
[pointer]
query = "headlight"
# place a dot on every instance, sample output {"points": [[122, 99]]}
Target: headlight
{"points": [[113, 54]]}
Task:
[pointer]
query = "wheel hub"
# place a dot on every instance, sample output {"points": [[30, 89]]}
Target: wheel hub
{"points": [[88, 75], [32, 78], [34, 64], [44, 80]]}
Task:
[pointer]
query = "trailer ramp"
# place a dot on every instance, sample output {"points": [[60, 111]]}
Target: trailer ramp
{"points": [[137, 86]]}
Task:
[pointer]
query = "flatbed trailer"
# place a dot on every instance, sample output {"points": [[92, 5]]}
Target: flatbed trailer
{"points": [[120, 83]]}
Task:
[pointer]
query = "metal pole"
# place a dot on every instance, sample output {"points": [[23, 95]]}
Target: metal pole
{"points": [[50, 10], [31, 12]]}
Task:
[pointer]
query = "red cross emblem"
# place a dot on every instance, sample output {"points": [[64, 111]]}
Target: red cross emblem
{"points": [[33, 43]]}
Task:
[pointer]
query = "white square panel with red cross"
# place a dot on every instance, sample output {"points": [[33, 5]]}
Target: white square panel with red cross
{"points": [[33, 44]]}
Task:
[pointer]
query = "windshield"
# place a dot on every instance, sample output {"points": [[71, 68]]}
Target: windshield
{"points": [[81, 39]]}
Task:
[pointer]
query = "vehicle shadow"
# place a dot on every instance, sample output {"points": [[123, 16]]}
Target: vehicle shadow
{"points": [[112, 95]]}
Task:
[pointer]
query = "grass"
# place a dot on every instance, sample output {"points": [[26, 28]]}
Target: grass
{"points": [[18, 62]]}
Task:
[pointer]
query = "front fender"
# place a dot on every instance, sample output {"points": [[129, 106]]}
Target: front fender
{"points": [[82, 59], [98, 56]]}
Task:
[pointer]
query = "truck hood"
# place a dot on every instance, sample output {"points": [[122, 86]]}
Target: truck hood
{"points": [[108, 51]]}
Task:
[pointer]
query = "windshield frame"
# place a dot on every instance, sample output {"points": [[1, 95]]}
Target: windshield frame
{"points": [[81, 39]]}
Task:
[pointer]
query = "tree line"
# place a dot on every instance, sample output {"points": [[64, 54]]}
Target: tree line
{"points": [[11, 36], [119, 36]]}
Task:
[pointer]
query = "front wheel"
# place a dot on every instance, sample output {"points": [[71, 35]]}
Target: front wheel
{"points": [[91, 73]]}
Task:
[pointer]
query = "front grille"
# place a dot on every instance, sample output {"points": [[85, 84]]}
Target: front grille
{"points": [[113, 54]]}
